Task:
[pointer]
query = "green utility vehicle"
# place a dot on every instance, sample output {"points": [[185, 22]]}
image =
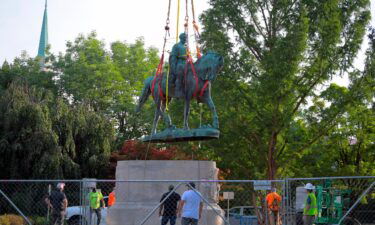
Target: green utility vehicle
{"points": [[332, 203]]}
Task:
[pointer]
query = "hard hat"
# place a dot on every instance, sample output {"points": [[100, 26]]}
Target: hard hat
{"points": [[60, 186], [309, 186]]}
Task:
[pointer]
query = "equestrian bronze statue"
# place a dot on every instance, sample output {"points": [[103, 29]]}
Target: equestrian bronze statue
{"points": [[195, 83]]}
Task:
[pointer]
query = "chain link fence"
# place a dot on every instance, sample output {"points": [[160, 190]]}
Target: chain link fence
{"points": [[341, 200]]}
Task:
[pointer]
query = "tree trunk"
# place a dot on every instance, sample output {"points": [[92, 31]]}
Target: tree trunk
{"points": [[271, 163]]}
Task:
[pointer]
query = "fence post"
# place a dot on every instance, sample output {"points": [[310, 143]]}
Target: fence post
{"points": [[283, 215], [287, 201]]}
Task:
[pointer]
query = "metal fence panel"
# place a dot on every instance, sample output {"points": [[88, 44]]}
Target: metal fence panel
{"points": [[347, 199], [340, 200]]}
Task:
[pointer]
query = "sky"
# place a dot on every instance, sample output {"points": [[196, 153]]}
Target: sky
{"points": [[113, 20]]}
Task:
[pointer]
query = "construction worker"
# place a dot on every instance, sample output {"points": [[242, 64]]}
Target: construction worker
{"points": [[112, 198], [95, 197], [310, 210], [273, 204], [58, 202], [168, 210]]}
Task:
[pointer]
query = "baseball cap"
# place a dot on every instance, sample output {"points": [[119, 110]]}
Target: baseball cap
{"points": [[60, 185], [191, 184]]}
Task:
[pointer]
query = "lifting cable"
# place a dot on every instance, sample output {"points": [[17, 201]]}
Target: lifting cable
{"points": [[197, 38], [189, 59], [159, 71], [178, 19], [196, 31], [165, 40], [186, 25]]}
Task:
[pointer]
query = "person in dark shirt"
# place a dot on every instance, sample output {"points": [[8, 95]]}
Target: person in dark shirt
{"points": [[168, 210], [58, 203]]}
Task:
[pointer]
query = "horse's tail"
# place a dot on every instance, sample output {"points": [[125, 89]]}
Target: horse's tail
{"points": [[146, 91]]}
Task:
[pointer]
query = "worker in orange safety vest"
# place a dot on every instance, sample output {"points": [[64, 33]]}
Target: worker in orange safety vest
{"points": [[112, 198], [273, 204]]}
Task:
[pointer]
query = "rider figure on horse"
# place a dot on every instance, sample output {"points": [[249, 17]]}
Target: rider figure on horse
{"points": [[177, 62]]}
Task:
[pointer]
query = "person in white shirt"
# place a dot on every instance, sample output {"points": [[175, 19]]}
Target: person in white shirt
{"points": [[190, 207]]}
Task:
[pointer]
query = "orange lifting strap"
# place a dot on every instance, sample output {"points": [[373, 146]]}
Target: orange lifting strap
{"points": [[189, 60], [159, 71]]}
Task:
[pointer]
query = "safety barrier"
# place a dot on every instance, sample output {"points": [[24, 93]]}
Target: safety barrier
{"points": [[340, 200]]}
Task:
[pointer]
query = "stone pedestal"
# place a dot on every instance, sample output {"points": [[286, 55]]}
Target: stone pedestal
{"points": [[135, 200]]}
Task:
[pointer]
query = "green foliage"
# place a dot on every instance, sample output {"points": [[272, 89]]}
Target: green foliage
{"points": [[88, 75], [38, 220], [27, 69], [107, 81], [279, 56], [49, 137], [280, 115], [64, 119], [26, 134]]}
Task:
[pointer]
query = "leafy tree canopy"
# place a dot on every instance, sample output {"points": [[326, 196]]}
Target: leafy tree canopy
{"points": [[276, 100]]}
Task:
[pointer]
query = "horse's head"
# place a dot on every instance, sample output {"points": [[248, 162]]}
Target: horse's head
{"points": [[209, 65]]}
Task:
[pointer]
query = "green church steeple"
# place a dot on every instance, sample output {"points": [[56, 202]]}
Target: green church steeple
{"points": [[43, 42]]}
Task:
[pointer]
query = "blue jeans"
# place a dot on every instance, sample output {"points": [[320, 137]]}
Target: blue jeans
{"points": [[188, 221], [171, 219], [98, 215]]}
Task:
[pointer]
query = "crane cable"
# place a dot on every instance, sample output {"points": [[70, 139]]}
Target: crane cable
{"points": [[196, 30], [159, 71], [165, 40], [178, 19], [186, 26]]}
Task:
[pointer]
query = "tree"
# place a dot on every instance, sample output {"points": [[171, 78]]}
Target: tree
{"points": [[28, 145], [135, 63], [42, 137], [88, 74], [87, 95], [28, 69], [347, 148], [85, 137], [280, 54], [107, 81]]}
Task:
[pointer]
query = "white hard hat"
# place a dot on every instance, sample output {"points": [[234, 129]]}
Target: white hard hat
{"points": [[309, 186], [60, 186]]}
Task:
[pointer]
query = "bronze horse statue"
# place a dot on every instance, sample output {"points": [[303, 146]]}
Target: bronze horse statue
{"points": [[197, 84]]}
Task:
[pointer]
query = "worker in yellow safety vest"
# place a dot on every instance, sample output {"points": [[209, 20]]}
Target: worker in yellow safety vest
{"points": [[95, 197], [310, 210]]}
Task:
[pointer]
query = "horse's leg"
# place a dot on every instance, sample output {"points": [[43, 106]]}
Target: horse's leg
{"points": [[156, 117], [211, 105], [186, 113], [166, 117]]}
